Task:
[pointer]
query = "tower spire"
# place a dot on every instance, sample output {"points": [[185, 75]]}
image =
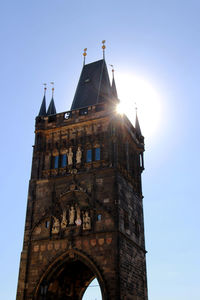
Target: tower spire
{"points": [[52, 109], [113, 87], [103, 47], [137, 124], [84, 56], [42, 111]]}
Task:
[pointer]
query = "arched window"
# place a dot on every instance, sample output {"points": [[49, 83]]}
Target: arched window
{"points": [[56, 161], [89, 155], [63, 160], [97, 154]]}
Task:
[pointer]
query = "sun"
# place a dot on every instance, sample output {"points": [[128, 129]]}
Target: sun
{"points": [[134, 91]]}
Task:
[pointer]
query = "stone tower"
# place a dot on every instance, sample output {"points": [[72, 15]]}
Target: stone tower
{"points": [[84, 215]]}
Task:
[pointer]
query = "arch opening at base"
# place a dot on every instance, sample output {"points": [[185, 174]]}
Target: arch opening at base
{"points": [[73, 279]]}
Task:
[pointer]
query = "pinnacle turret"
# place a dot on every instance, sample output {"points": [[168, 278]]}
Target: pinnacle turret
{"points": [[42, 111], [114, 89], [137, 125], [51, 109]]}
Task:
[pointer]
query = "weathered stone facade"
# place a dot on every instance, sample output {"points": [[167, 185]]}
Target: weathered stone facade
{"points": [[84, 215]]}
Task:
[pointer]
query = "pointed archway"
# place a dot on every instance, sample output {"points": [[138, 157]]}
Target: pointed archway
{"points": [[68, 278]]}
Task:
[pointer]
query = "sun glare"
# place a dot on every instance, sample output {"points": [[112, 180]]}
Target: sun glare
{"points": [[137, 92]]}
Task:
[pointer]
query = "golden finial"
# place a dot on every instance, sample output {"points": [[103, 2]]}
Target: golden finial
{"points": [[113, 70], [52, 83], [136, 107], [103, 47], [84, 55], [45, 88]]}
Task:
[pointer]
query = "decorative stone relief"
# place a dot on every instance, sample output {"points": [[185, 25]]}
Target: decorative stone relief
{"points": [[56, 225], [71, 215], [64, 220], [86, 221], [78, 155], [70, 156], [78, 217]]}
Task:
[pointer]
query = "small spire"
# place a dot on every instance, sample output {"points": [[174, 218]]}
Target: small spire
{"points": [[42, 111], [103, 47], [84, 55], [113, 87], [52, 109], [137, 124]]}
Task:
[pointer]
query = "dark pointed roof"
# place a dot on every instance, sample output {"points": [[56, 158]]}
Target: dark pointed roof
{"points": [[93, 86], [137, 125], [42, 111], [51, 109], [114, 89]]}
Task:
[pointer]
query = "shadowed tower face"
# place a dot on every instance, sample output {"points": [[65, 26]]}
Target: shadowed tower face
{"points": [[85, 206]]}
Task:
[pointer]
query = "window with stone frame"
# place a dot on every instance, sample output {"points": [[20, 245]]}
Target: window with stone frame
{"points": [[56, 162], [63, 160], [97, 153], [89, 155], [47, 224], [99, 217]]}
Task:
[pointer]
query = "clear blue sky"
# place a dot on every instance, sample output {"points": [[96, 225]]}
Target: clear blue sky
{"points": [[42, 41]]}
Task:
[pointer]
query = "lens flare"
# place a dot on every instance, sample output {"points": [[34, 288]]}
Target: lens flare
{"points": [[137, 92]]}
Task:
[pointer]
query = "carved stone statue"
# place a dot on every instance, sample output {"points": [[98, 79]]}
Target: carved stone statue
{"points": [[78, 217], [56, 225], [78, 155], [86, 221], [64, 220], [71, 215], [70, 156]]}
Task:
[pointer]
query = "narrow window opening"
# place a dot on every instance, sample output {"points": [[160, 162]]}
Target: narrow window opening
{"points": [[89, 155], [97, 154], [56, 161], [99, 217], [141, 161], [83, 111], [47, 224], [64, 160]]}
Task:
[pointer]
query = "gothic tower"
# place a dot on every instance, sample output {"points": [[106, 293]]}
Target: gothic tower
{"points": [[84, 215]]}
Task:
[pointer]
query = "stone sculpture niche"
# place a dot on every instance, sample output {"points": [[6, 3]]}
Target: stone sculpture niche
{"points": [[86, 221], [56, 225], [64, 220], [72, 216], [70, 156], [78, 155]]}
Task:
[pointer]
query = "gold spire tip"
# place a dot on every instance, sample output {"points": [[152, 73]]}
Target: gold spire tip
{"points": [[136, 107], [113, 70], [103, 46], [52, 83], [45, 87], [85, 53]]}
